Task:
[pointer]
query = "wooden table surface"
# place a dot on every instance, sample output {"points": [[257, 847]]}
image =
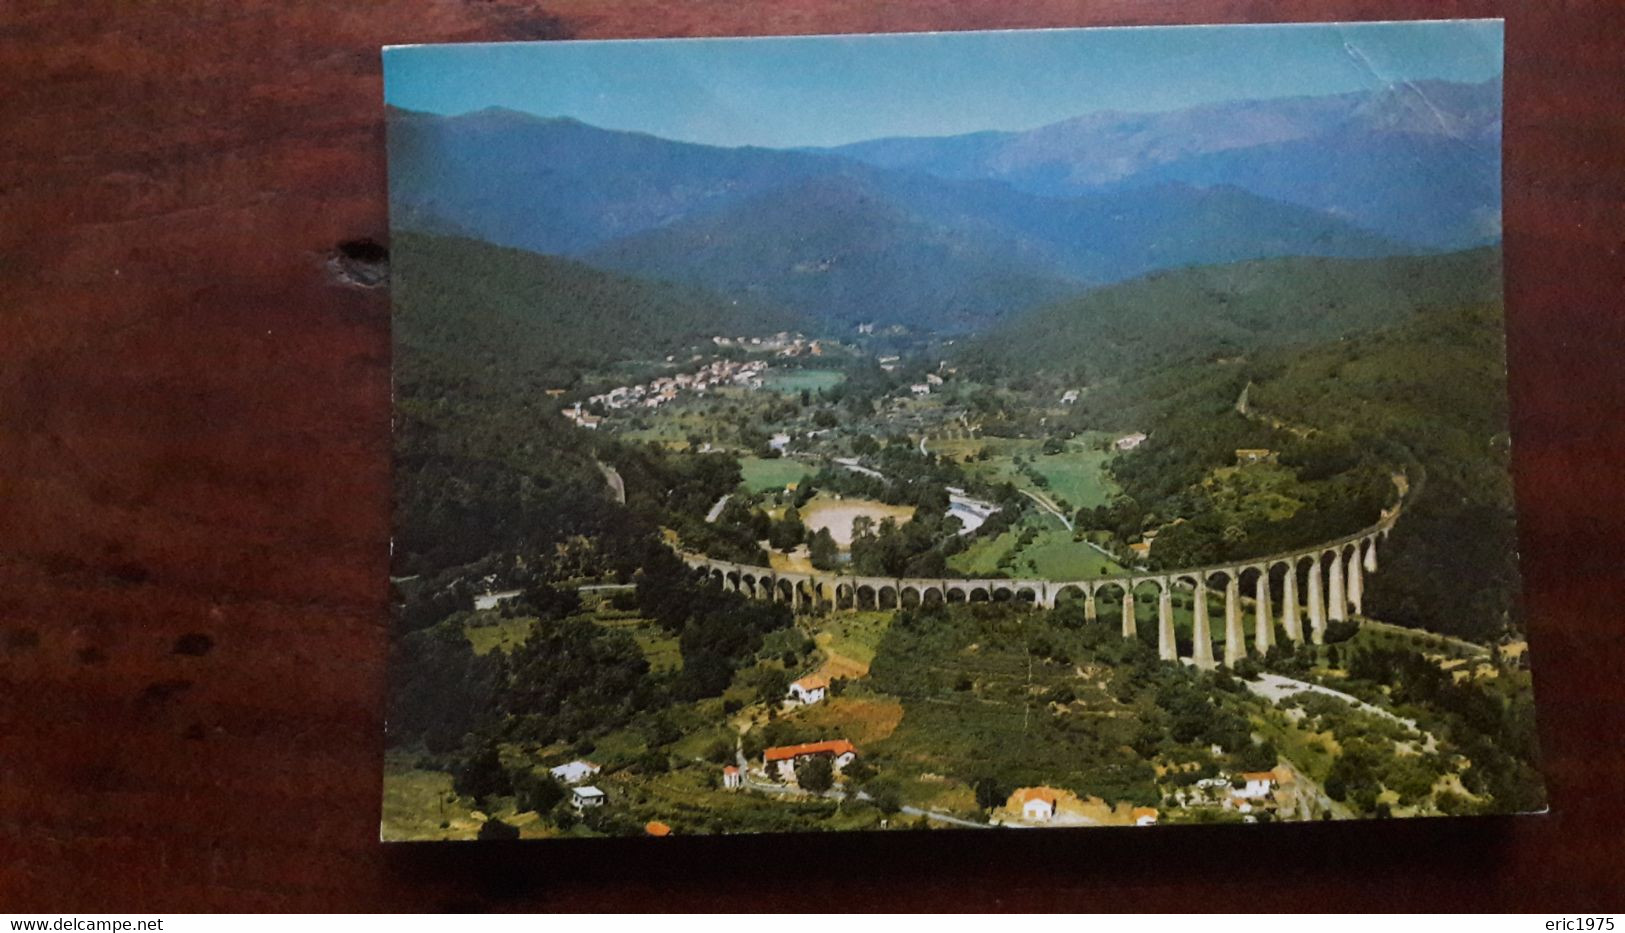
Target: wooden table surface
{"points": [[194, 490]]}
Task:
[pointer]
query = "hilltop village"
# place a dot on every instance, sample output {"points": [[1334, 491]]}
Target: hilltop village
{"points": [[713, 374]]}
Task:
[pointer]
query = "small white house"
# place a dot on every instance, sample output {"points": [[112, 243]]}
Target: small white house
{"points": [[1069, 396], [574, 773], [732, 778], [810, 689], [920, 388], [585, 798], [1259, 784], [1037, 804], [1145, 816]]}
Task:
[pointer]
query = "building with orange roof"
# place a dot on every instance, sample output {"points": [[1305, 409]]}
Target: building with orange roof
{"points": [[810, 689], [840, 752], [1259, 784], [1144, 816], [655, 828], [1037, 803], [732, 778]]}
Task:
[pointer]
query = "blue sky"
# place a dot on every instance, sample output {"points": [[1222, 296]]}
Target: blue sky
{"points": [[827, 90]]}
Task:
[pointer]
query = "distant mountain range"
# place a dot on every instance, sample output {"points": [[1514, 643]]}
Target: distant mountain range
{"points": [[954, 233], [1418, 162]]}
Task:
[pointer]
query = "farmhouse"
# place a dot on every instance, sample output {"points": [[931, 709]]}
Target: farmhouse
{"points": [[1144, 816], [585, 798], [786, 757], [731, 778], [810, 689], [1037, 804], [573, 773], [1129, 441], [1259, 784]]}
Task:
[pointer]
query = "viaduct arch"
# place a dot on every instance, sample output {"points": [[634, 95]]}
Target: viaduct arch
{"points": [[1333, 576]]}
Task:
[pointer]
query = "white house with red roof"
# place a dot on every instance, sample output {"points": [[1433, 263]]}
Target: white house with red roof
{"points": [[810, 689], [732, 778], [782, 759], [1259, 784]]}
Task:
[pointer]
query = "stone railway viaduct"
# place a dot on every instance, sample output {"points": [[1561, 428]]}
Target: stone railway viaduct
{"points": [[1333, 573]]}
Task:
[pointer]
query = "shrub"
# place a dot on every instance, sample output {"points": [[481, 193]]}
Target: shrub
{"points": [[536, 791], [496, 829], [816, 774]]}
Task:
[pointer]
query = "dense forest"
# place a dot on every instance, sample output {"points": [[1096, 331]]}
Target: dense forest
{"points": [[1220, 312]]}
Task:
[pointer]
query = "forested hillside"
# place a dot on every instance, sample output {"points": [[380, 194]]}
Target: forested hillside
{"points": [[1433, 389], [1216, 312], [483, 458], [467, 304], [842, 248], [1425, 395]]}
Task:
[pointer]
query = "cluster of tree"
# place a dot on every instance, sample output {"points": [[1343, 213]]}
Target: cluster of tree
{"points": [[1011, 694], [570, 680], [822, 551], [663, 483], [718, 631], [1491, 720], [466, 492], [440, 691], [910, 477], [919, 547]]}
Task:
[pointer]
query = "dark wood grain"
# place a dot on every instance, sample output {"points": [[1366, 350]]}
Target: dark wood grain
{"points": [[194, 490]]}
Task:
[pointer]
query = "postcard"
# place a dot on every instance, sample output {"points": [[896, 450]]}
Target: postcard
{"points": [[1050, 428]]}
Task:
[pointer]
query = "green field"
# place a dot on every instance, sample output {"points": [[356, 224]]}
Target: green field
{"points": [[770, 475], [792, 381], [1077, 475], [488, 631], [671, 425], [658, 646], [1053, 553], [420, 805], [849, 640]]}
